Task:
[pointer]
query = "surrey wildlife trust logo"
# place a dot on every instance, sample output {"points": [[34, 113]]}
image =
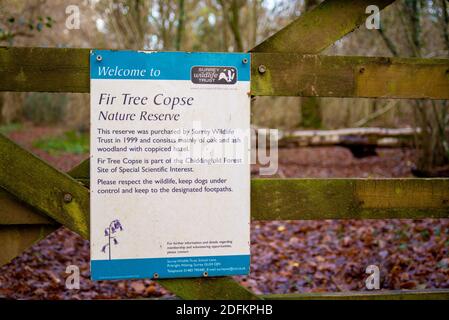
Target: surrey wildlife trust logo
{"points": [[213, 75], [111, 232]]}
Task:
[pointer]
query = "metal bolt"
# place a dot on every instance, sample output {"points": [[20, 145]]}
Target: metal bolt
{"points": [[155, 276], [99, 58], [262, 69], [68, 198], [245, 61], [205, 274]]}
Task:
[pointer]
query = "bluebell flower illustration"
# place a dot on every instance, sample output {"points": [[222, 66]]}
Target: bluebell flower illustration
{"points": [[110, 232]]}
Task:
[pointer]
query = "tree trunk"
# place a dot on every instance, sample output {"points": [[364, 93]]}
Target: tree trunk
{"points": [[180, 29], [255, 14], [232, 15]]}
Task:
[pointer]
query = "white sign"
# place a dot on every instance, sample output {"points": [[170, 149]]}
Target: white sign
{"points": [[170, 167]]}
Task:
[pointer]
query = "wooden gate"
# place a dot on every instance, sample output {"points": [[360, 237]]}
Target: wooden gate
{"points": [[36, 199]]}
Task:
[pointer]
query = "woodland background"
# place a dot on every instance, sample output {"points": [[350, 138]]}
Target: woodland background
{"points": [[409, 28], [288, 256]]}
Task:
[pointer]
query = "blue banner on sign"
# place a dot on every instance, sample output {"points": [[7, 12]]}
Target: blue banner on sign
{"points": [[170, 267], [149, 65]]}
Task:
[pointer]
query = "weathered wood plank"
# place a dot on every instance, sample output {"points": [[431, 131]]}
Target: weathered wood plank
{"points": [[303, 199], [340, 76], [67, 70], [351, 198], [318, 199], [81, 170], [43, 187], [16, 212], [431, 294], [13, 211], [319, 28], [208, 289], [44, 69], [306, 199], [15, 239]]}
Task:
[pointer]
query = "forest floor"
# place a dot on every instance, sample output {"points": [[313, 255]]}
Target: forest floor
{"points": [[287, 257]]}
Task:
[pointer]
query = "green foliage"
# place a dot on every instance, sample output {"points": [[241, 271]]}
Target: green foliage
{"points": [[10, 127], [45, 108], [70, 142], [12, 27]]}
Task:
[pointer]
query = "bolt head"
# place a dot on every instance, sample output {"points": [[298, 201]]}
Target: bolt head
{"points": [[68, 198], [262, 69], [99, 58], [245, 60]]}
